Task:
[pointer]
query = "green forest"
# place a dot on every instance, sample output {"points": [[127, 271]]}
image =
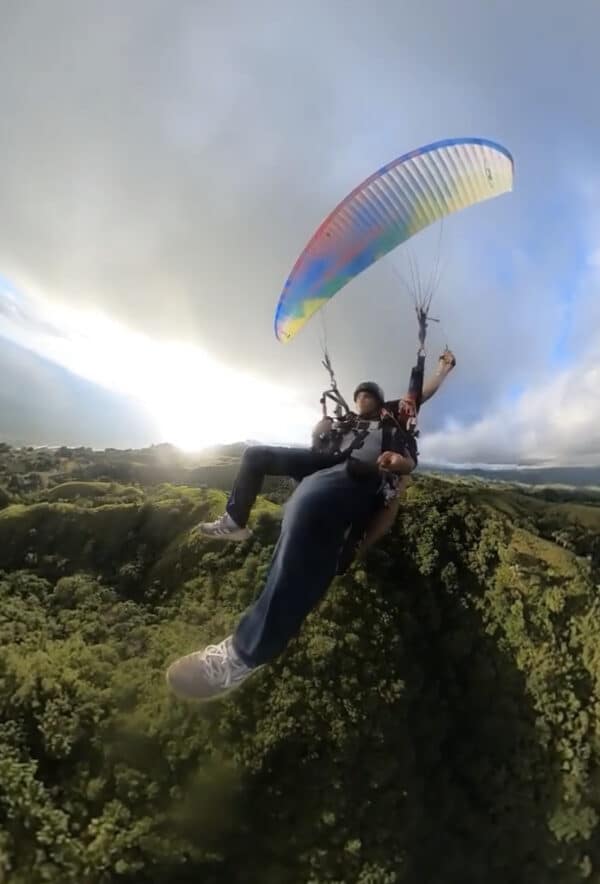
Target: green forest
{"points": [[436, 722]]}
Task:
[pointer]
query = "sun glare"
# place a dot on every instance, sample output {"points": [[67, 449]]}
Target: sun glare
{"points": [[194, 400]]}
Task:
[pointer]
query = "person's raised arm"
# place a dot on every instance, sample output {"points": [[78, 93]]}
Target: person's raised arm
{"points": [[432, 384]]}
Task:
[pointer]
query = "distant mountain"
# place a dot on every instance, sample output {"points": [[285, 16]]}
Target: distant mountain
{"points": [[217, 466], [569, 476]]}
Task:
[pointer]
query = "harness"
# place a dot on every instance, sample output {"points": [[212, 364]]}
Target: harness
{"points": [[330, 442], [347, 421]]}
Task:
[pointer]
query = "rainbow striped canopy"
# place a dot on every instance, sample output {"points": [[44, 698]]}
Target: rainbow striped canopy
{"points": [[389, 207]]}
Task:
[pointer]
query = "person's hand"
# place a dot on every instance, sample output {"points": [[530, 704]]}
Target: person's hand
{"points": [[447, 361], [395, 463]]}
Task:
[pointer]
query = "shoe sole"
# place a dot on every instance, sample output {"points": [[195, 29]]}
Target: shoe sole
{"points": [[237, 538], [211, 699]]}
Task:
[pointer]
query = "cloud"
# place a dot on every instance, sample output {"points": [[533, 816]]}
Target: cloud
{"points": [[164, 165], [191, 398], [42, 404], [556, 423]]}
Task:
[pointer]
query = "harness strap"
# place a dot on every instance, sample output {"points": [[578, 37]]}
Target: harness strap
{"points": [[408, 437], [337, 398]]}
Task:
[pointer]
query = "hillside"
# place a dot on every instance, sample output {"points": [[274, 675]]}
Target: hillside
{"points": [[26, 468], [436, 721]]}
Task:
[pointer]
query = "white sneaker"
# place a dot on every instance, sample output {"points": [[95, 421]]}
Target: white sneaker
{"points": [[223, 528], [208, 674]]}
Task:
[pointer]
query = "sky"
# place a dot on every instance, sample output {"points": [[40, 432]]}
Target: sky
{"points": [[162, 165]]}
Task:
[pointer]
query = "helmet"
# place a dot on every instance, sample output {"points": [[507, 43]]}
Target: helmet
{"points": [[372, 388]]}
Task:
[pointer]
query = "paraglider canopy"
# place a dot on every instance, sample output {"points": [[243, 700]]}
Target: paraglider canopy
{"points": [[389, 207]]}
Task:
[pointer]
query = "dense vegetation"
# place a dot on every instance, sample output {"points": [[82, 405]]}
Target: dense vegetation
{"points": [[438, 719]]}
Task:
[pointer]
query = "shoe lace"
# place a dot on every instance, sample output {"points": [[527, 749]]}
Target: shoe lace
{"points": [[223, 667]]}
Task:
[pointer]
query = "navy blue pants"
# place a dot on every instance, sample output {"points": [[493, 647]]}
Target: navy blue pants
{"points": [[259, 461], [304, 562]]}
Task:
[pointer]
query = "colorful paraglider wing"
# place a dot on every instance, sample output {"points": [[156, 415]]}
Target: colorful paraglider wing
{"points": [[385, 210]]}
